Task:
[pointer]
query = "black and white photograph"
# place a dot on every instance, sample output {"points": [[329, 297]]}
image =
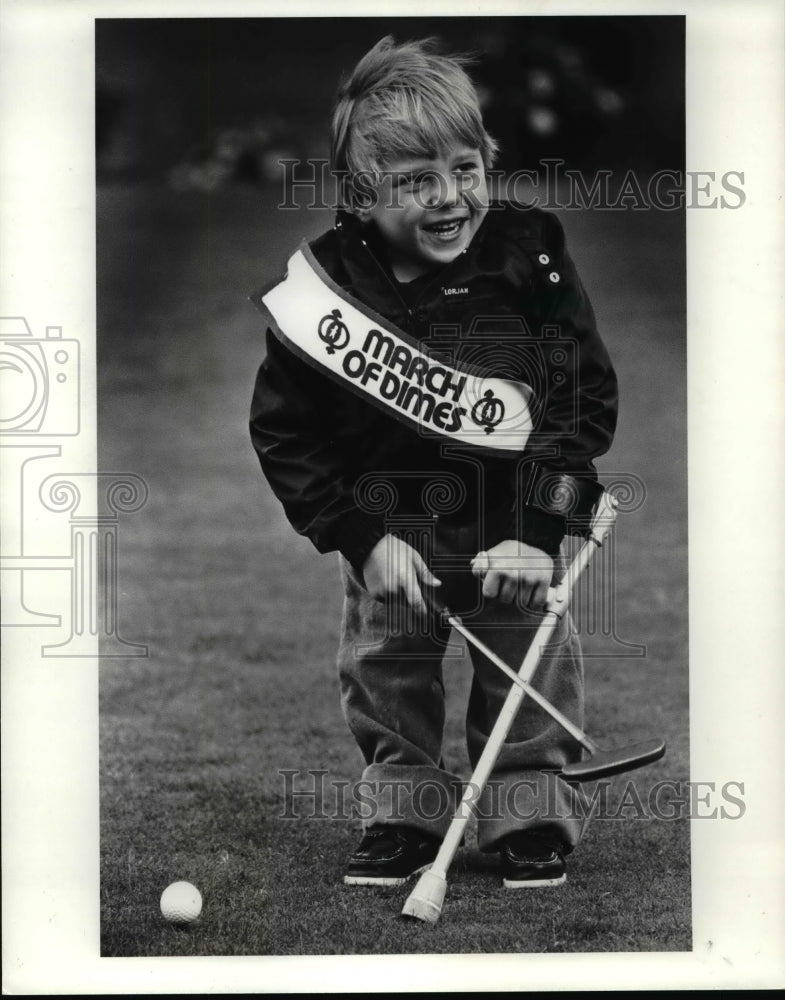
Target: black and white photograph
{"points": [[299, 765], [390, 515]]}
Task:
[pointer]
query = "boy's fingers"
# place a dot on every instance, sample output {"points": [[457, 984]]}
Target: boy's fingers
{"points": [[428, 578], [540, 594], [509, 591], [414, 596], [490, 586], [535, 595], [424, 573], [526, 595], [481, 564]]}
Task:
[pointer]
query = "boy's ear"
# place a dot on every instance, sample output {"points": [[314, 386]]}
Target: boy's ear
{"points": [[362, 212], [360, 209], [360, 197]]}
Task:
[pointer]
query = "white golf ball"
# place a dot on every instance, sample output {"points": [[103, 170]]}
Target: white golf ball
{"points": [[181, 903]]}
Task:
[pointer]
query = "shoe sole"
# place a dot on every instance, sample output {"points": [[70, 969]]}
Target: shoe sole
{"points": [[383, 880], [533, 883]]}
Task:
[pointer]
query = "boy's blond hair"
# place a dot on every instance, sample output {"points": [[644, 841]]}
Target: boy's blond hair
{"points": [[403, 101]]}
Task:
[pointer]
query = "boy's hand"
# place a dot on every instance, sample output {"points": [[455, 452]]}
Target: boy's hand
{"points": [[514, 569], [394, 568]]}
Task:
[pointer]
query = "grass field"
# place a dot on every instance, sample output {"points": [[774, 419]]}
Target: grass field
{"points": [[241, 617]]}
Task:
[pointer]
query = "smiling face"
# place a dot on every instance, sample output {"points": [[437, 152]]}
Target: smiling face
{"points": [[428, 209]]}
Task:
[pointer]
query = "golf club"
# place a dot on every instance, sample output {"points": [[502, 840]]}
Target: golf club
{"points": [[426, 899], [601, 763]]}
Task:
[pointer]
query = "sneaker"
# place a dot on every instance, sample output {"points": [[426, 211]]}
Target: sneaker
{"points": [[390, 855], [530, 861]]}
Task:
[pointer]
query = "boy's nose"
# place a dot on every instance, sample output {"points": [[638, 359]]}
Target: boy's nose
{"points": [[453, 191], [445, 190]]}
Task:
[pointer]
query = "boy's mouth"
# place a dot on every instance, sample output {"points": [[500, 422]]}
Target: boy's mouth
{"points": [[446, 229]]}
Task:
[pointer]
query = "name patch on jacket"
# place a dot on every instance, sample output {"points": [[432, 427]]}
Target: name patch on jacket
{"points": [[367, 354]]}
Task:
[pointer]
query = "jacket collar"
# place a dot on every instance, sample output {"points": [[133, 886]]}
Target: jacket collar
{"points": [[364, 260]]}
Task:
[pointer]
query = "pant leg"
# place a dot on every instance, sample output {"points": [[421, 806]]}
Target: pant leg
{"points": [[524, 790], [392, 696]]}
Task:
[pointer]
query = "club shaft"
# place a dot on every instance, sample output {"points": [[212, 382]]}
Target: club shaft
{"points": [[524, 684], [558, 599], [601, 525], [493, 745]]}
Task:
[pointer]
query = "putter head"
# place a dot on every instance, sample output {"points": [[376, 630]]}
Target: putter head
{"points": [[425, 900], [606, 762]]}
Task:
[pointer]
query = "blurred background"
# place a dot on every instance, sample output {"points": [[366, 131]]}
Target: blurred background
{"points": [[207, 102]]}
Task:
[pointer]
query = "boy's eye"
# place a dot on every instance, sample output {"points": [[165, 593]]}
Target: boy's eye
{"points": [[429, 177], [417, 180], [409, 180], [414, 181]]}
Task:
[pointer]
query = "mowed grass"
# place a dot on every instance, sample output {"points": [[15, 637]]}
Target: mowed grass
{"points": [[241, 618]]}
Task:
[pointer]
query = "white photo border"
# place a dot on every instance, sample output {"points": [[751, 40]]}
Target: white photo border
{"points": [[735, 382]]}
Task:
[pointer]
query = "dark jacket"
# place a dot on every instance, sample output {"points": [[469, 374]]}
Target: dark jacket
{"points": [[511, 303]]}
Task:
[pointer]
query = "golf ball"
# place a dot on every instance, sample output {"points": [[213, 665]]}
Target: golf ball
{"points": [[181, 903]]}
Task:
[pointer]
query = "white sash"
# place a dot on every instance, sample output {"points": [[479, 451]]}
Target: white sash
{"points": [[364, 352]]}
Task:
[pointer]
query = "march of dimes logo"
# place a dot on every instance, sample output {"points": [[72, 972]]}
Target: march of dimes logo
{"points": [[407, 380], [333, 331]]}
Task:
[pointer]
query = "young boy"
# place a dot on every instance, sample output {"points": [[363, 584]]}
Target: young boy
{"points": [[432, 399]]}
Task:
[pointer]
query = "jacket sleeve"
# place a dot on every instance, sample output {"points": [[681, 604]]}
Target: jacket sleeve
{"points": [[577, 419], [294, 434]]}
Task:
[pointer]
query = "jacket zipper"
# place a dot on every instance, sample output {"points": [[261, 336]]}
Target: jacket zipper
{"points": [[410, 310], [388, 279]]}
